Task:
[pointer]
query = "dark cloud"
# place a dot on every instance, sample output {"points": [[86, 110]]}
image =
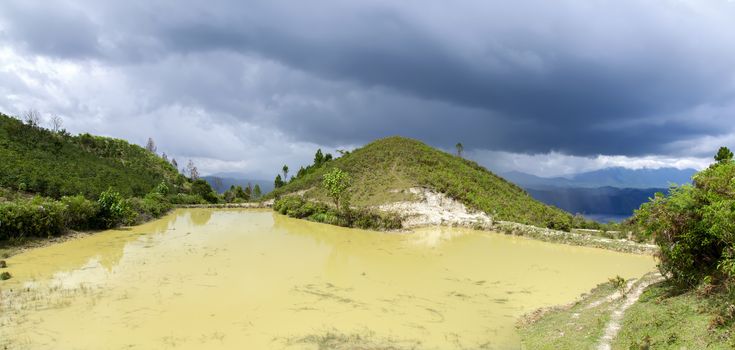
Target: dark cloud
{"points": [[607, 77]]}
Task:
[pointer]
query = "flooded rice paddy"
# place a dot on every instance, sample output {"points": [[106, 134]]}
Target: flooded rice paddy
{"points": [[248, 279]]}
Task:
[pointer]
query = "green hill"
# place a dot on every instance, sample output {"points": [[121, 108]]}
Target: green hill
{"points": [[381, 170], [54, 164]]}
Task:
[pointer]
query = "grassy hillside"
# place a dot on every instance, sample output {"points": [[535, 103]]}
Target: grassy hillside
{"points": [[55, 164], [383, 169]]}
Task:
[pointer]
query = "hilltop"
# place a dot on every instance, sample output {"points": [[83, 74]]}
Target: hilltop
{"points": [[385, 171], [55, 164]]}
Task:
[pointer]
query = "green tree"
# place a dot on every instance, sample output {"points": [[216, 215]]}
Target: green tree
{"points": [[285, 172], [248, 192], [460, 149], [202, 188], [724, 155], [336, 182], [318, 158], [278, 183], [256, 192]]}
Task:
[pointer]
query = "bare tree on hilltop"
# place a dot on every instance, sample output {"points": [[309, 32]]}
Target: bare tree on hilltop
{"points": [[192, 170], [150, 146], [56, 123], [32, 117]]}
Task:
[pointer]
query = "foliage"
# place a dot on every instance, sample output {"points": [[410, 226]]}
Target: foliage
{"points": [[58, 164], [300, 208], [202, 188], [113, 209], [723, 155], [336, 182], [35, 217], [278, 182], [81, 212], [237, 194], [40, 217], [383, 170], [185, 198], [694, 226], [257, 193]]}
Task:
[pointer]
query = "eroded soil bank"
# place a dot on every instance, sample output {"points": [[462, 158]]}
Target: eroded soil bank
{"points": [[223, 278]]}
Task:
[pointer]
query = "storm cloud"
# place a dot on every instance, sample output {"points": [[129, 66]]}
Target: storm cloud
{"points": [[583, 79]]}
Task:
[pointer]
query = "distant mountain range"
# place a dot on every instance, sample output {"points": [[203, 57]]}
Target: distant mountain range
{"points": [[603, 195], [221, 182], [611, 177]]}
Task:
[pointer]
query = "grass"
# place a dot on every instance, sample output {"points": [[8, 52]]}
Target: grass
{"points": [[383, 170], [573, 326], [665, 318]]}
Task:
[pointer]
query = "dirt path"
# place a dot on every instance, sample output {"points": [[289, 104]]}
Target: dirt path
{"points": [[613, 326]]}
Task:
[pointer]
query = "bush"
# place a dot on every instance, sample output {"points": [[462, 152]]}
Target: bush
{"points": [[114, 210], [183, 198], [299, 208], [694, 226], [81, 213], [37, 217], [204, 190], [156, 205]]}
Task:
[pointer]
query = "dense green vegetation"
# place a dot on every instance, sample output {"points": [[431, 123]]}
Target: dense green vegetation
{"points": [[694, 226], [55, 164], [300, 208], [52, 182], [382, 170]]}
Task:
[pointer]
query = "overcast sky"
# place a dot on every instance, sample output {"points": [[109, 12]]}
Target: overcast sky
{"points": [[545, 87]]}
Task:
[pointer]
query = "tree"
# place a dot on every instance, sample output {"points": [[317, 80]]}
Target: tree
{"points": [[150, 146], [256, 192], [56, 123], [318, 158], [32, 117], [248, 192], [301, 172], [278, 182], [203, 189], [460, 149], [164, 156], [285, 172], [724, 155], [192, 171], [336, 182], [174, 163], [327, 157]]}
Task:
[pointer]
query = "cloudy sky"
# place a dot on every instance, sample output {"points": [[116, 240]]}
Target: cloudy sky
{"points": [[545, 87]]}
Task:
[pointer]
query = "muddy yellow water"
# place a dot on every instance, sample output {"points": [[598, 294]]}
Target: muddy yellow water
{"points": [[239, 279]]}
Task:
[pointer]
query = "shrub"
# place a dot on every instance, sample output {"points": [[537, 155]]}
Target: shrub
{"points": [[204, 190], [80, 212], [299, 208], [37, 217], [114, 210], [694, 226], [155, 204], [183, 198], [5, 276]]}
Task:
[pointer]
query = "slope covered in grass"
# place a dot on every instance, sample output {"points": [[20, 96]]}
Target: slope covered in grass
{"points": [[54, 164], [383, 170]]}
